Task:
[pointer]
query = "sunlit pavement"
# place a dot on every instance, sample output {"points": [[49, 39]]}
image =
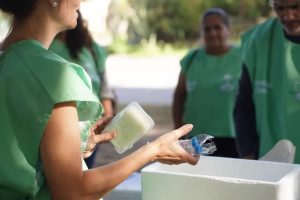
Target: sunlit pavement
{"points": [[148, 80]]}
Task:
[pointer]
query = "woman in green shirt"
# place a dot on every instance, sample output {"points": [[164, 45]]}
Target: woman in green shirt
{"points": [[46, 104], [207, 84]]}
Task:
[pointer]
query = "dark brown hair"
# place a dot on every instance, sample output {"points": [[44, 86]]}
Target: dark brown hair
{"points": [[78, 38], [18, 8]]}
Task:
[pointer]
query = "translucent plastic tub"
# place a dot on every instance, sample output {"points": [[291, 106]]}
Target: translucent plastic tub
{"points": [[216, 178], [130, 124]]}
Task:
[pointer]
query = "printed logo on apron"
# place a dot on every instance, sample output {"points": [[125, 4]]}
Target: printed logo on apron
{"points": [[227, 84], [191, 85], [261, 87]]}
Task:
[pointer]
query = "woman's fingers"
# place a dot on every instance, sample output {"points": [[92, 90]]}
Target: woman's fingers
{"points": [[193, 160], [170, 150], [87, 154], [89, 149], [105, 137], [171, 160], [183, 130], [95, 139], [102, 123]]}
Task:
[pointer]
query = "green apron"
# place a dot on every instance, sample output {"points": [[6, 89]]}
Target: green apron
{"points": [[94, 66], [211, 83], [32, 81], [274, 67]]}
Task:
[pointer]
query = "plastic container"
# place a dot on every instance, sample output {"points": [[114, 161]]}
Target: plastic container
{"points": [[199, 145], [216, 178], [130, 124]]}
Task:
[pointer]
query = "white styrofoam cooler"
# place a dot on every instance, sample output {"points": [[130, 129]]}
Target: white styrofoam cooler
{"points": [[215, 178]]}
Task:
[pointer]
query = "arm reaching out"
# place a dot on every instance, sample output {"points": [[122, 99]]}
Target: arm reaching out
{"points": [[61, 157]]}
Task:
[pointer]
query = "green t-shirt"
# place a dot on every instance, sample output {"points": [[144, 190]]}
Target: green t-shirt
{"points": [[32, 81], [273, 64], [94, 65], [211, 84]]}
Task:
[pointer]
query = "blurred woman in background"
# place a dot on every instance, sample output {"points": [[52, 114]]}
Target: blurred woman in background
{"points": [[207, 85]]}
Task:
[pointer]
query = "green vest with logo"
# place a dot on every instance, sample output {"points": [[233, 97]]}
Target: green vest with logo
{"points": [[273, 64], [211, 83]]}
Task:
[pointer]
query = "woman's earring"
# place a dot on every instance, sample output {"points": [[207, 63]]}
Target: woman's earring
{"points": [[54, 4]]}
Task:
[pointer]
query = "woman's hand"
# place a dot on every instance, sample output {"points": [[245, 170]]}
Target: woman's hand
{"points": [[96, 136], [169, 151]]}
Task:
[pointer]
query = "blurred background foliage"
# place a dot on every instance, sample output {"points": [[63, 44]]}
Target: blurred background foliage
{"points": [[176, 22], [169, 25]]}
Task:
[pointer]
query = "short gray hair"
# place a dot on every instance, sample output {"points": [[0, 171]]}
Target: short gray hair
{"points": [[217, 11]]}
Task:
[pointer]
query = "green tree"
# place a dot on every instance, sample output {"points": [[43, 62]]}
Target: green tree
{"points": [[177, 20]]}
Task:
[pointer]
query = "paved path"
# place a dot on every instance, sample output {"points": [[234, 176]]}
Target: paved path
{"points": [[148, 80]]}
